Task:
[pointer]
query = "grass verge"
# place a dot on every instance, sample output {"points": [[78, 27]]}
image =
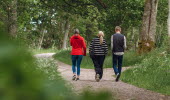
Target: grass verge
{"points": [[130, 59], [153, 73]]}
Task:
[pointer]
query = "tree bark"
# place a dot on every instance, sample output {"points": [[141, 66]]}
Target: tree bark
{"points": [[41, 39], [66, 32], [148, 31], [13, 18], [168, 21]]}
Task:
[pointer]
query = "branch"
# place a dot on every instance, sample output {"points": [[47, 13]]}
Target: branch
{"points": [[68, 3], [49, 6], [6, 5], [102, 4], [78, 4]]}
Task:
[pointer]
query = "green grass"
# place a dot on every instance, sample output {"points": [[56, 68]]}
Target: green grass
{"points": [[153, 73], [130, 59], [53, 82]]}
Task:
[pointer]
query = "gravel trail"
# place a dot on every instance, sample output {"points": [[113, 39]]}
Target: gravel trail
{"points": [[121, 90]]}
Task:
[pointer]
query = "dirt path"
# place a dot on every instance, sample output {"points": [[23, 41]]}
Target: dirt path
{"points": [[44, 55], [121, 90]]}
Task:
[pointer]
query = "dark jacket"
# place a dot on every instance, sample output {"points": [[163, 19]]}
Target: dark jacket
{"points": [[118, 42]]}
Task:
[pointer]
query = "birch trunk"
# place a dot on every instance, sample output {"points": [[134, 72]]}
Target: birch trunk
{"points": [[41, 39], [13, 18], [148, 31], [66, 32], [168, 21]]}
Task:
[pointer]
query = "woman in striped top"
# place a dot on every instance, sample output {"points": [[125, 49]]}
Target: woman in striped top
{"points": [[98, 49]]}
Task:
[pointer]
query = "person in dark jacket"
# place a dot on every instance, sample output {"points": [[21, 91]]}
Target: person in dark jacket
{"points": [[78, 51], [118, 45], [98, 49]]}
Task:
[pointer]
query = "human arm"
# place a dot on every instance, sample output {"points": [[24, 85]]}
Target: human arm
{"points": [[105, 47], [84, 47], [91, 46], [112, 42], [125, 46], [70, 41]]}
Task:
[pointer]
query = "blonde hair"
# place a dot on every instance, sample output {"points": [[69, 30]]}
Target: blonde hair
{"points": [[117, 28], [101, 35]]}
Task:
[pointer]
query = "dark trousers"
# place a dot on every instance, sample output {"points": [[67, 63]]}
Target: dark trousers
{"points": [[117, 63], [98, 61]]}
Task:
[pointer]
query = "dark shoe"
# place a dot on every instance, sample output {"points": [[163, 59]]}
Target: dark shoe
{"points": [[77, 79], [97, 77], [117, 77], [74, 77]]}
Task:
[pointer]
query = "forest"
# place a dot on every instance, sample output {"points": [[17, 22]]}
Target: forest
{"points": [[30, 27]]}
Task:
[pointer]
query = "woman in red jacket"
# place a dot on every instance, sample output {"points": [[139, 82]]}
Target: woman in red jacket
{"points": [[78, 51]]}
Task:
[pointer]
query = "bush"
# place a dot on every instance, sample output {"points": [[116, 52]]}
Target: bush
{"points": [[22, 77]]}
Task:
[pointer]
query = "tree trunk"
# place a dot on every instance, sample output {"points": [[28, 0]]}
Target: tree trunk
{"points": [[41, 39], [13, 18], [168, 21], [66, 32], [148, 31], [132, 33]]}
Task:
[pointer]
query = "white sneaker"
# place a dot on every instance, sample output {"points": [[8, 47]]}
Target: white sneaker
{"points": [[117, 74], [74, 77]]}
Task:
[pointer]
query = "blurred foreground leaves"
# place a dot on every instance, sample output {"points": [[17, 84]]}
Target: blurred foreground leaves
{"points": [[22, 77]]}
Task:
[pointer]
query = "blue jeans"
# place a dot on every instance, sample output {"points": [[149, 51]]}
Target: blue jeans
{"points": [[117, 63], [76, 61]]}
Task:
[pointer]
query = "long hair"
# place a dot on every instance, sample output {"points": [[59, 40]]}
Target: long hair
{"points": [[101, 35]]}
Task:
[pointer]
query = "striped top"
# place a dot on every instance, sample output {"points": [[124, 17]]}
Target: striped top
{"points": [[98, 49]]}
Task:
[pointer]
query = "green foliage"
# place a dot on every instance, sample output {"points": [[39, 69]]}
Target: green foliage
{"points": [[152, 73], [123, 13], [132, 58], [90, 16], [24, 77], [53, 84], [162, 16]]}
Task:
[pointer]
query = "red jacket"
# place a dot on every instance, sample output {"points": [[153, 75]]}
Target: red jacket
{"points": [[78, 45]]}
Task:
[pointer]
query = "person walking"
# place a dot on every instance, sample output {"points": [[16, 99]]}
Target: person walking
{"points": [[78, 51], [118, 45], [98, 49]]}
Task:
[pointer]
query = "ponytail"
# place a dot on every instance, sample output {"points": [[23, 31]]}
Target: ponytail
{"points": [[101, 40], [101, 35]]}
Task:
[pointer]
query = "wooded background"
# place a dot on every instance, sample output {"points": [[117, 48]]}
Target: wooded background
{"points": [[50, 23]]}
